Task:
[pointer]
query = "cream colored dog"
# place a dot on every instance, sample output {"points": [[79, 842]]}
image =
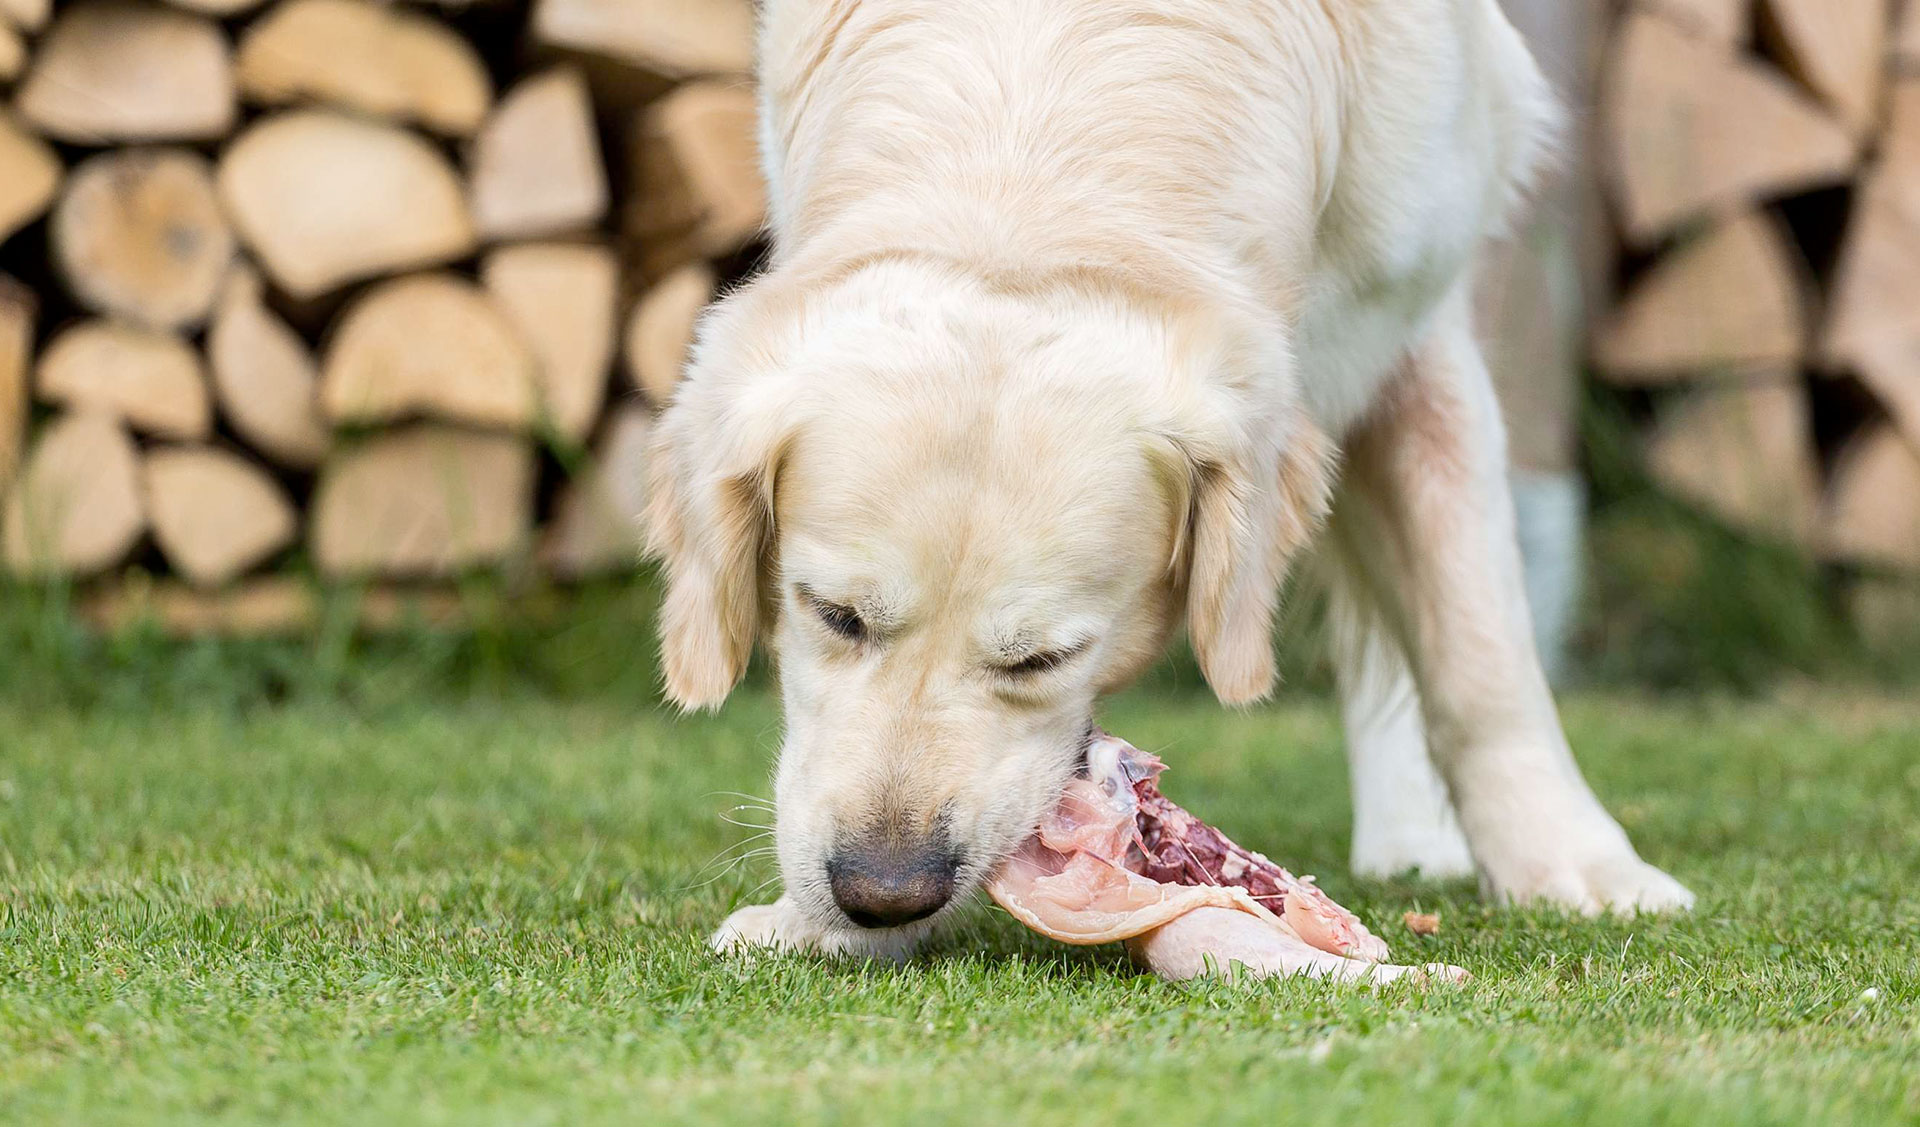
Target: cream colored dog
{"points": [[1083, 315]]}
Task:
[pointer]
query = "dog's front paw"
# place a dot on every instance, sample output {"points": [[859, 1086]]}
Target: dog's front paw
{"points": [[1560, 868], [782, 926], [776, 926], [1543, 838], [1624, 885]]}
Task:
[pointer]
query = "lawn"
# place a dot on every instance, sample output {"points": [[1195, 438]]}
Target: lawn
{"points": [[491, 911]]}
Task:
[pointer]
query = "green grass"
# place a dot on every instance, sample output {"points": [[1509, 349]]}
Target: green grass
{"points": [[490, 911]]}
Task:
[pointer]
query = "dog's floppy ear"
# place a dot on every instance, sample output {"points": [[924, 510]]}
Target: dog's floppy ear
{"points": [[709, 517], [1255, 496]]}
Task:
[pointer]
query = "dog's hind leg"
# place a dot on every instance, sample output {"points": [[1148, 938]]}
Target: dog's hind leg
{"points": [[1425, 521], [1403, 818]]}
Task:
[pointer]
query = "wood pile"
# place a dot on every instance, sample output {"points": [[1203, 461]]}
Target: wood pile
{"points": [[388, 292], [1762, 163], [380, 292]]}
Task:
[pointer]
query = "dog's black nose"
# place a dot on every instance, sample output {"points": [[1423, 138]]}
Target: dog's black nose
{"points": [[887, 887]]}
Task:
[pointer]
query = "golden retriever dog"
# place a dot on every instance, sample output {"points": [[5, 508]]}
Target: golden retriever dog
{"points": [[1084, 318]]}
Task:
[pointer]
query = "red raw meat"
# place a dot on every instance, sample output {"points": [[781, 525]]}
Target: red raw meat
{"points": [[1116, 860]]}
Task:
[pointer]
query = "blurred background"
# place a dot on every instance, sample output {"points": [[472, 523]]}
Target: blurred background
{"points": [[331, 332], [335, 785]]}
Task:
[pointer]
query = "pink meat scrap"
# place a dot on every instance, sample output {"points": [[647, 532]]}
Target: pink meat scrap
{"points": [[1116, 860]]}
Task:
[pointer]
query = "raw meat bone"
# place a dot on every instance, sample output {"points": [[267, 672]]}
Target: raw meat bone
{"points": [[1116, 860]]}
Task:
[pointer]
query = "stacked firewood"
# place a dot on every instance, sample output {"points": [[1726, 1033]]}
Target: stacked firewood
{"points": [[388, 290], [1763, 163]]}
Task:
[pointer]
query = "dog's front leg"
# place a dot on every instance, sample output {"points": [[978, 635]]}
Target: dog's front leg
{"points": [[782, 926], [1425, 519]]}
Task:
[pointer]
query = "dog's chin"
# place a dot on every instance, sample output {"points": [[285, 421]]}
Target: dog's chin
{"points": [[881, 944]]}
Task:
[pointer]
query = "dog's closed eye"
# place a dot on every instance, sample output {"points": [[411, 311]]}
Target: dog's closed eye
{"points": [[839, 618], [842, 620], [1045, 661]]}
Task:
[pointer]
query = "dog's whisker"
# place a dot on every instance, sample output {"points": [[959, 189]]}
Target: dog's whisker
{"points": [[745, 848], [731, 866], [745, 844]]}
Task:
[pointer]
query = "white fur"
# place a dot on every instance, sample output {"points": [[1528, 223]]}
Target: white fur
{"points": [[1403, 819], [1072, 305]]}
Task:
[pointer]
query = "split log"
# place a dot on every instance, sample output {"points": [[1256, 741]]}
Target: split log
{"points": [[1873, 324], [536, 167], [18, 308], [1724, 22], [699, 191], [431, 344], [111, 71], [139, 234], [375, 59], [675, 38], [660, 330], [220, 9], [27, 15], [1728, 301], [1744, 452], [1900, 143], [214, 514], [394, 608], [265, 606], [560, 297], [150, 379], [1689, 129], [264, 378], [1906, 44], [597, 526], [30, 173], [1886, 611], [1872, 514], [1536, 286], [426, 500], [326, 199], [1838, 48], [76, 508], [13, 53], [252, 608]]}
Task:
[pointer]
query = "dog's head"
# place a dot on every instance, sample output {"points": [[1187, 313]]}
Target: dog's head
{"points": [[956, 518]]}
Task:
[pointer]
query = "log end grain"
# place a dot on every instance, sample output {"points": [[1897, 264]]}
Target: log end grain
{"points": [[264, 377], [422, 501], [660, 330], [139, 234], [76, 509], [430, 344], [325, 199], [150, 379], [30, 175], [214, 514], [560, 297], [597, 527], [114, 71], [378, 60], [536, 167]]}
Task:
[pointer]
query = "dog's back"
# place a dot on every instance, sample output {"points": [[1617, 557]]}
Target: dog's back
{"points": [[1338, 163]]}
